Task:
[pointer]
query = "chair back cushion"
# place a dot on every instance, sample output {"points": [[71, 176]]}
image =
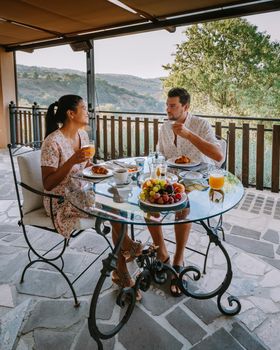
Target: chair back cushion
{"points": [[223, 145], [31, 175]]}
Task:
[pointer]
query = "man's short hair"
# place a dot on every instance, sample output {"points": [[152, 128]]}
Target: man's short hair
{"points": [[184, 96]]}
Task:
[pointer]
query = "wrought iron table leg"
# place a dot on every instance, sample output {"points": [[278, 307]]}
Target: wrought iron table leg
{"points": [[220, 290], [109, 264], [156, 271]]}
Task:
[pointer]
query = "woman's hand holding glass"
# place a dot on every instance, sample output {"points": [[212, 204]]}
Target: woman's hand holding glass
{"points": [[89, 149], [80, 156]]}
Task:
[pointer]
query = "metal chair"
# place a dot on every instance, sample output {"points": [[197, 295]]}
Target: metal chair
{"points": [[32, 212]]}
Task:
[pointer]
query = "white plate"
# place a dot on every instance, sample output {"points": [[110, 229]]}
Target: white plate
{"points": [[165, 206], [191, 175], [89, 173], [135, 171], [169, 176], [127, 166], [171, 161], [114, 184]]}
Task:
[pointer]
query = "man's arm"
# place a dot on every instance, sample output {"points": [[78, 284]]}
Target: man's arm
{"points": [[211, 150]]}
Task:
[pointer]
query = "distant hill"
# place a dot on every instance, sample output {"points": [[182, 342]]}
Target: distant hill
{"points": [[118, 92]]}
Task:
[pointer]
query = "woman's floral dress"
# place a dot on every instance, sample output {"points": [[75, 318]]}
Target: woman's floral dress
{"points": [[56, 150]]}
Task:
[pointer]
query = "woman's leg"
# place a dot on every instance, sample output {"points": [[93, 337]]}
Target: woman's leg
{"points": [[182, 232], [121, 276], [116, 230], [158, 240]]}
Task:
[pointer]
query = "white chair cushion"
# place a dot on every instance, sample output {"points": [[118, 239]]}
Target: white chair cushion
{"points": [[30, 174], [223, 146], [39, 217]]}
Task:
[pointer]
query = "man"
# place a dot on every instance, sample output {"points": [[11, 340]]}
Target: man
{"points": [[183, 134]]}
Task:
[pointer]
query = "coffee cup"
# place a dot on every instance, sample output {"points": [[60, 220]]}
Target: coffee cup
{"points": [[120, 176]]}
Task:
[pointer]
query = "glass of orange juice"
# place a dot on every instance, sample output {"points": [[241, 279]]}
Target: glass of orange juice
{"points": [[90, 149], [216, 179]]}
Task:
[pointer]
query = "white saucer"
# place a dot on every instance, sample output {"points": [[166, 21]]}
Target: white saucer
{"points": [[113, 183]]}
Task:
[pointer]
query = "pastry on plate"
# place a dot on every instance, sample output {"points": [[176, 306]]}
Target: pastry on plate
{"points": [[182, 160], [98, 169]]}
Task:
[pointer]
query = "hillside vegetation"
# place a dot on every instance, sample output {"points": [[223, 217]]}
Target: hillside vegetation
{"points": [[114, 92]]}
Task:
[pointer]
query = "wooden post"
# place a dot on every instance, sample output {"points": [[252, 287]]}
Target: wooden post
{"points": [[231, 148], [155, 133], [218, 129], [137, 136], [260, 157], [129, 137], [275, 158], [120, 137], [113, 150], [245, 155], [105, 147], [146, 136]]}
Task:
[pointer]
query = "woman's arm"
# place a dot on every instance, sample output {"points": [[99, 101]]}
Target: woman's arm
{"points": [[53, 176]]}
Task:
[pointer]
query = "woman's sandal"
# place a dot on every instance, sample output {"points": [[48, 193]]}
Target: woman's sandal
{"points": [[124, 280], [178, 293], [167, 260], [133, 252]]}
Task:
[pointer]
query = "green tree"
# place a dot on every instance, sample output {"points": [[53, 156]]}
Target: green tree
{"points": [[229, 67]]}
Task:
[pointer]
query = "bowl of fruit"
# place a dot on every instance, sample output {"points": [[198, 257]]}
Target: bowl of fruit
{"points": [[161, 193]]}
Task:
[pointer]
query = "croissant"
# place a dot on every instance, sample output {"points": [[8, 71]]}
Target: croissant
{"points": [[99, 170], [182, 160]]}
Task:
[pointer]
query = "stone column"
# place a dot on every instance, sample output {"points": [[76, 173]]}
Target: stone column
{"points": [[7, 94]]}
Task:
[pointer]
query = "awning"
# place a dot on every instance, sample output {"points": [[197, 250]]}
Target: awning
{"points": [[26, 24]]}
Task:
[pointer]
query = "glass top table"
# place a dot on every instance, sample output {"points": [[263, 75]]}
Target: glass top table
{"points": [[108, 202], [121, 204]]}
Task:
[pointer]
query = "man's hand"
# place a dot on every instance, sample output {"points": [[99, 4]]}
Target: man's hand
{"points": [[180, 130]]}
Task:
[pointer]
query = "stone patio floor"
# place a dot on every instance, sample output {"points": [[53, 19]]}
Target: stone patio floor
{"points": [[39, 313]]}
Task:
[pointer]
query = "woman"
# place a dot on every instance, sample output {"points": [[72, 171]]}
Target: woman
{"points": [[62, 157]]}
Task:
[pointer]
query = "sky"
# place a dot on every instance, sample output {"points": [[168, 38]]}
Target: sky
{"points": [[141, 55]]}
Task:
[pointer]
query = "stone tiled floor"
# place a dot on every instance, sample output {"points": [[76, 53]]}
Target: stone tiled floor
{"points": [[39, 313]]}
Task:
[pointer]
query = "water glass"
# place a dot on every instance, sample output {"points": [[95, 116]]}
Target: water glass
{"points": [[156, 159], [140, 162], [163, 171]]}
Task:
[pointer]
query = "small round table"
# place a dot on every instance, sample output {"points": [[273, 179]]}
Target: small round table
{"points": [[108, 202]]}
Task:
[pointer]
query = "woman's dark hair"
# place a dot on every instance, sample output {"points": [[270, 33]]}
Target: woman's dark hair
{"points": [[53, 118], [184, 96]]}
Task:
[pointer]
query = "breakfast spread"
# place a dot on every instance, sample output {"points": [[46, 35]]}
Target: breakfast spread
{"points": [[182, 160]]}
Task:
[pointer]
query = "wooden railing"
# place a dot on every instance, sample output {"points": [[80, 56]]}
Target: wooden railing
{"points": [[253, 144]]}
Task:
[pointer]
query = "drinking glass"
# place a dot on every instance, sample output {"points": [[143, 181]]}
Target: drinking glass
{"points": [[163, 171], [216, 178], [153, 170], [151, 159], [90, 149]]}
